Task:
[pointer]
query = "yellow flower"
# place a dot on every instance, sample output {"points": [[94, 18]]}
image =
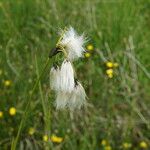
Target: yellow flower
{"points": [[1, 114], [109, 71], [104, 142], [107, 148], [31, 131], [56, 139], [143, 145], [115, 64], [87, 54], [126, 145], [7, 83], [110, 76], [45, 138], [12, 111], [90, 47], [109, 64]]}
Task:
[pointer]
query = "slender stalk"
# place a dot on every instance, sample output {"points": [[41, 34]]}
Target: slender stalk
{"points": [[47, 115], [24, 117]]}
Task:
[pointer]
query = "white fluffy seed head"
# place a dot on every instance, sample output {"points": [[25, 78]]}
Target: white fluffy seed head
{"points": [[61, 100], [62, 79], [66, 77], [77, 98], [55, 78], [73, 44]]}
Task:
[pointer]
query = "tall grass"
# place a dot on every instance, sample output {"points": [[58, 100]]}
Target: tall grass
{"points": [[117, 108]]}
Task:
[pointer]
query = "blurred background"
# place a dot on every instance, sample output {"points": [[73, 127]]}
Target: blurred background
{"points": [[114, 72]]}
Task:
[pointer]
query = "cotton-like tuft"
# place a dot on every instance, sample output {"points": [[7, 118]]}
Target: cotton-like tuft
{"points": [[55, 78], [73, 44], [61, 100], [62, 79], [77, 98], [66, 77]]}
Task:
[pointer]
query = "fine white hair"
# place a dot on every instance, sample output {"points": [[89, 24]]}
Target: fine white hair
{"points": [[77, 98], [62, 79], [55, 78], [73, 44], [61, 100], [74, 100], [69, 92], [66, 77]]}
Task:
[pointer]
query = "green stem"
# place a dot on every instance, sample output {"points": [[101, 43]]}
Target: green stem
{"points": [[46, 108], [24, 117]]}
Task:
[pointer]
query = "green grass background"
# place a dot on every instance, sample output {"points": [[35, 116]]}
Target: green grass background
{"points": [[118, 108]]}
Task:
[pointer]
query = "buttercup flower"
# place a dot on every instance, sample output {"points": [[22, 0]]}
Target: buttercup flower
{"points": [[104, 142], [126, 145], [116, 64], [143, 144], [7, 83], [73, 44], [31, 131], [90, 47], [12, 111], [107, 148], [109, 64], [1, 114], [109, 71], [110, 75], [45, 138], [87, 54], [56, 139]]}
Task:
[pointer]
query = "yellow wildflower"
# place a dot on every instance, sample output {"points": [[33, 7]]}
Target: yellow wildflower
{"points": [[90, 47], [107, 148], [126, 145], [45, 138], [12, 111], [1, 114], [104, 142], [87, 54], [143, 145], [56, 139], [7, 83], [115, 64], [110, 76], [109, 64], [31, 131], [109, 71]]}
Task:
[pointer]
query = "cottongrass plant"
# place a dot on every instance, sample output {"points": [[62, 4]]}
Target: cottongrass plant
{"points": [[69, 91]]}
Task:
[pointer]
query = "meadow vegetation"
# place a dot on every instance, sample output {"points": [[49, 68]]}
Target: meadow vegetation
{"points": [[114, 72]]}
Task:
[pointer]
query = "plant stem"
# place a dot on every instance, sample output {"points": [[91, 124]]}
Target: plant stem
{"points": [[24, 117]]}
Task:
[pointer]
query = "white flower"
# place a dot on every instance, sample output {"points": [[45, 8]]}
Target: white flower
{"points": [[55, 78], [73, 44], [78, 97], [66, 77]]}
